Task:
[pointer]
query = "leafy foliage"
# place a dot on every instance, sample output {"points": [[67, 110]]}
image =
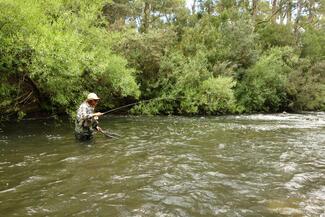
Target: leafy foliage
{"points": [[314, 44], [144, 53], [212, 57], [263, 87], [273, 34], [189, 88], [306, 87], [63, 52]]}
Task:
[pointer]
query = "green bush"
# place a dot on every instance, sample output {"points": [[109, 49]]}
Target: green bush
{"points": [[52, 53], [232, 41], [58, 51], [275, 35], [264, 85], [189, 88], [144, 52], [16, 25], [313, 44], [216, 95], [306, 87]]}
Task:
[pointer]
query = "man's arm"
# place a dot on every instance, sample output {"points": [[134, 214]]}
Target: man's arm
{"points": [[84, 113]]}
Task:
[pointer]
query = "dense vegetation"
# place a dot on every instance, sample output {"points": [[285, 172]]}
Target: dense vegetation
{"points": [[191, 57]]}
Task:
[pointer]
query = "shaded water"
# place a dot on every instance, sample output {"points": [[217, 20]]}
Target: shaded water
{"points": [[255, 165]]}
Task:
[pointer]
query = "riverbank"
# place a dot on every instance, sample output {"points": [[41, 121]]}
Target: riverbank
{"points": [[47, 115]]}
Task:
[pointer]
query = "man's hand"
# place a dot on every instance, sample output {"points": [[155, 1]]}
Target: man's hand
{"points": [[99, 129], [97, 114]]}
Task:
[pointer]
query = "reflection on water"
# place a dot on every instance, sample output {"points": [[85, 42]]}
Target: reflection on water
{"points": [[247, 165]]}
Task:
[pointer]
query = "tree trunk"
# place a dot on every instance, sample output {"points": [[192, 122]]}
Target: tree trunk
{"points": [[209, 7], [289, 11], [281, 14], [299, 9], [254, 8], [146, 17], [311, 11], [194, 7], [274, 9]]}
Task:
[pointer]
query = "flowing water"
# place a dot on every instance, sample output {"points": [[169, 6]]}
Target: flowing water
{"points": [[247, 165]]}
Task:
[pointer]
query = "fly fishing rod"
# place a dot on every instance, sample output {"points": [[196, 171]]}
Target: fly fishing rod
{"points": [[112, 135], [142, 101], [115, 135], [135, 103], [118, 108], [128, 105]]}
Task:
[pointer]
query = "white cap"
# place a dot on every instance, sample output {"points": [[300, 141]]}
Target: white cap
{"points": [[92, 96]]}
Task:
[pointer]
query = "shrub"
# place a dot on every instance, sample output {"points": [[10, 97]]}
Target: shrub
{"points": [[58, 52], [189, 88], [313, 44], [306, 87], [264, 85]]}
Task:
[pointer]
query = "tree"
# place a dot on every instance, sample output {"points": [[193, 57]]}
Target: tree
{"points": [[289, 11], [254, 8], [264, 85], [274, 10], [306, 86], [57, 56]]}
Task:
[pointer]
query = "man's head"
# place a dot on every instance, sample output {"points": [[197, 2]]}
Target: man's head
{"points": [[92, 99]]}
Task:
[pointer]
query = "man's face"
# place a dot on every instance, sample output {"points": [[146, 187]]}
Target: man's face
{"points": [[93, 102]]}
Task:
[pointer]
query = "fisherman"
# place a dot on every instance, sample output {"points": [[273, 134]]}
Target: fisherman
{"points": [[87, 120]]}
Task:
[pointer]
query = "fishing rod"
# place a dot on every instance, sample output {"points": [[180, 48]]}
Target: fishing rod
{"points": [[115, 135], [128, 105], [135, 103], [118, 108]]}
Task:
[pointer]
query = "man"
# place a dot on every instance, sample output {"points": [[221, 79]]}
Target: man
{"points": [[86, 121]]}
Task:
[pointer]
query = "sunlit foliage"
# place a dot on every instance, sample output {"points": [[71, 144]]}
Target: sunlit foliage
{"points": [[211, 57]]}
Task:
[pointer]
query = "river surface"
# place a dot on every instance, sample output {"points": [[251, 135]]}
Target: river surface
{"points": [[247, 165]]}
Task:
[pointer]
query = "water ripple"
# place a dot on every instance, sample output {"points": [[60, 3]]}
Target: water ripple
{"points": [[246, 165]]}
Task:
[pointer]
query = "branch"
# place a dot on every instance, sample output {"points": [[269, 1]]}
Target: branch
{"points": [[273, 14], [25, 98]]}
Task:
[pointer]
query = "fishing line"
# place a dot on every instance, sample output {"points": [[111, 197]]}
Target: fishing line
{"points": [[135, 103], [125, 106]]}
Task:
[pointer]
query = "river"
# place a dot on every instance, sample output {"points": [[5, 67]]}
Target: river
{"points": [[245, 165]]}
